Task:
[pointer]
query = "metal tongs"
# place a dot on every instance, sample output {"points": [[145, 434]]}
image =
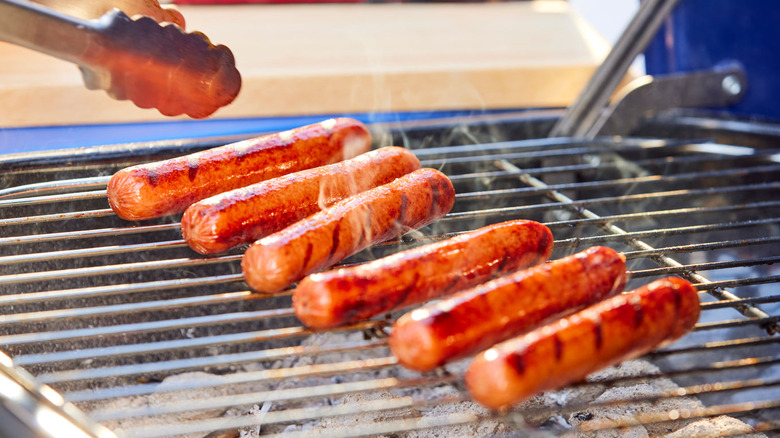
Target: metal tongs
{"points": [[148, 59]]}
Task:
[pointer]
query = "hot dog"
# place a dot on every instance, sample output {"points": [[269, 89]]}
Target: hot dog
{"points": [[477, 318], [167, 187], [245, 214], [620, 328], [348, 226], [333, 298]]}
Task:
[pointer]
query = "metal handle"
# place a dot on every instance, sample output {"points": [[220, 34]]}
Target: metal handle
{"points": [[44, 30], [583, 113]]}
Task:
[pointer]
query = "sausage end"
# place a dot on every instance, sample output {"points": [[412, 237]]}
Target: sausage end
{"points": [[264, 269], [414, 344], [124, 195], [315, 304]]}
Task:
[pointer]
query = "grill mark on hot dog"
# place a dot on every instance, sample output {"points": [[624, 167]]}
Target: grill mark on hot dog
{"points": [[598, 334], [639, 314], [677, 302], [558, 347], [366, 226], [502, 263], [152, 177], [543, 243], [404, 206], [405, 293], [307, 256], [450, 285], [435, 194], [334, 243], [517, 362], [192, 170]]}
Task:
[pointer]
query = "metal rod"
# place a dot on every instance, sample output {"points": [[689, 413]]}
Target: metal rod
{"points": [[48, 199], [202, 362], [114, 269], [115, 289], [83, 234], [100, 251], [119, 309], [181, 344], [586, 109], [55, 186], [140, 327], [568, 203]]}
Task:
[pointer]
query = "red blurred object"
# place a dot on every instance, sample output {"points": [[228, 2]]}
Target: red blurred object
{"points": [[236, 2]]}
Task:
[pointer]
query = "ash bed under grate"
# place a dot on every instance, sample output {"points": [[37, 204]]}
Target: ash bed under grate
{"points": [[151, 339]]}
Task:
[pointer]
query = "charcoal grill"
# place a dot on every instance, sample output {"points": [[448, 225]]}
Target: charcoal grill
{"points": [[118, 328]]}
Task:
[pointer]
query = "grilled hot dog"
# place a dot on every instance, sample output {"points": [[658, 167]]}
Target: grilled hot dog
{"points": [[565, 351], [477, 318], [245, 214], [332, 298], [167, 187], [348, 226]]}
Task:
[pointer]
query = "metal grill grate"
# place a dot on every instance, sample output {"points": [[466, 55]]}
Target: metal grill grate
{"points": [[151, 339]]}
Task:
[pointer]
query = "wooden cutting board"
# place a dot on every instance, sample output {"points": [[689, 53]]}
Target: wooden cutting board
{"points": [[342, 58]]}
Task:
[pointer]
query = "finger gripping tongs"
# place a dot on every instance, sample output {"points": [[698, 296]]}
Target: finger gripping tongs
{"points": [[139, 52]]}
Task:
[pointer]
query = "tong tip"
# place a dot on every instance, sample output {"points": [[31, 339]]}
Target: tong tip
{"points": [[163, 67]]}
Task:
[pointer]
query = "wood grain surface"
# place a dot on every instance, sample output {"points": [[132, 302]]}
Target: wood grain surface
{"points": [[342, 58]]}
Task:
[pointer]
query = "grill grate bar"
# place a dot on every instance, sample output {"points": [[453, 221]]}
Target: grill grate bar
{"points": [[724, 304], [749, 311], [114, 289], [640, 163], [767, 322], [31, 220], [81, 234], [670, 231], [743, 282], [663, 213], [181, 344], [704, 412], [119, 309], [55, 186], [718, 345], [706, 266], [302, 371], [568, 203], [114, 269], [320, 370], [544, 144], [203, 362], [328, 390], [90, 252], [651, 252], [140, 327], [682, 177], [48, 199]]}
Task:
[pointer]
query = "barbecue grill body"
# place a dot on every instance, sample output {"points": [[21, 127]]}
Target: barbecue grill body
{"points": [[104, 310]]}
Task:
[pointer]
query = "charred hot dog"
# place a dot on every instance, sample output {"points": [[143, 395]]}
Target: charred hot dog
{"points": [[477, 318], [167, 187], [245, 214], [327, 237], [337, 297], [620, 328]]}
